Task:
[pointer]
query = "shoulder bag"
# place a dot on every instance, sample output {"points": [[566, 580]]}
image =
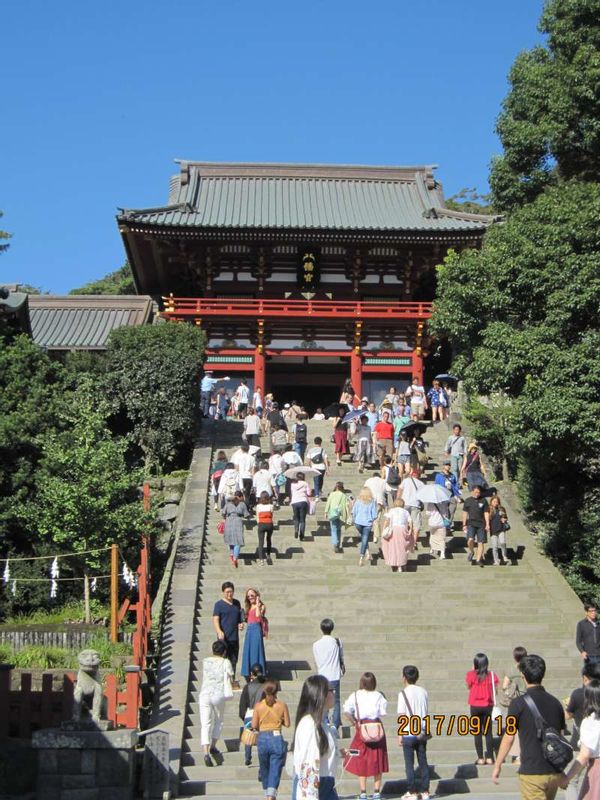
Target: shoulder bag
{"points": [[340, 658], [371, 731], [422, 737], [556, 750], [496, 710]]}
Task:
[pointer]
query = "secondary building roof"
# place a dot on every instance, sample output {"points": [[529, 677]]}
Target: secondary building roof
{"points": [[84, 322], [307, 197]]}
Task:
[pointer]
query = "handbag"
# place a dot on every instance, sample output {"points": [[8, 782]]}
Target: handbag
{"points": [[422, 737], [221, 527], [370, 732], [496, 710], [249, 737]]}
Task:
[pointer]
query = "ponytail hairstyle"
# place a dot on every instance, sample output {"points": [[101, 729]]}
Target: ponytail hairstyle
{"points": [[313, 700], [270, 690], [480, 665]]}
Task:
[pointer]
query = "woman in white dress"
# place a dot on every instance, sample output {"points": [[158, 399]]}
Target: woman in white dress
{"points": [[315, 751], [217, 676], [365, 708]]}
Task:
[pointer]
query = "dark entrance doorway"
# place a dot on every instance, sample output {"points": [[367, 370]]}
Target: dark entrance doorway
{"points": [[313, 385]]}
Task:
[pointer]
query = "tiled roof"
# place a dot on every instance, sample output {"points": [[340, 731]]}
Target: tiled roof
{"points": [[275, 196], [84, 322]]}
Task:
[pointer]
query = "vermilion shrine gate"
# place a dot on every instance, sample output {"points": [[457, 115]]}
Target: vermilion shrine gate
{"points": [[301, 275]]}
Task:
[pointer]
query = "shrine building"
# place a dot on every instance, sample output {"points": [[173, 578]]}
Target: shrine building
{"points": [[301, 275]]}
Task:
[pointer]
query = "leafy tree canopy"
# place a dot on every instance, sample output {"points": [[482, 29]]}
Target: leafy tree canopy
{"points": [[118, 282], [3, 237], [152, 375], [471, 201], [550, 121]]}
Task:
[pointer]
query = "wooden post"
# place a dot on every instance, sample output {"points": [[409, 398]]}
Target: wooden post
{"points": [[114, 593], [417, 365], [259, 370], [356, 372]]}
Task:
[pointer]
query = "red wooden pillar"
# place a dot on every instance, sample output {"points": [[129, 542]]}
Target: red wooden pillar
{"points": [[356, 372], [417, 365], [259, 370]]}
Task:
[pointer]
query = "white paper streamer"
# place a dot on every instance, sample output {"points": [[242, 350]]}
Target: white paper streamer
{"points": [[6, 573], [53, 589], [14, 587], [93, 585]]}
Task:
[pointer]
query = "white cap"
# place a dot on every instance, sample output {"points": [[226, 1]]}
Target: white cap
{"points": [[287, 405]]}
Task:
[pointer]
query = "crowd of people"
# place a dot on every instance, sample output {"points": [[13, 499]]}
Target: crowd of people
{"points": [[515, 718], [395, 505]]}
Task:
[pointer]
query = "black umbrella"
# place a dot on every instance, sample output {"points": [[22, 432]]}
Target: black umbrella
{"points": [[332, 409], [412, 428], [445, 378]]}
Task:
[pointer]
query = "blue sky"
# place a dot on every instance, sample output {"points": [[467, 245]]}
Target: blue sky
{"points": [[98, 99]]}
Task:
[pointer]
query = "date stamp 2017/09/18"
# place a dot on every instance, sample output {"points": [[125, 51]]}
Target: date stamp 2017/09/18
{"points": [[461, 724]]}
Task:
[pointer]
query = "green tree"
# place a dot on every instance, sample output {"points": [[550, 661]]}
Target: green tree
{"points": [[86, 495], [31, 387], [523, 317], [152, 380], [470, 201], [550, 121], [4, 236], [118, 282]]}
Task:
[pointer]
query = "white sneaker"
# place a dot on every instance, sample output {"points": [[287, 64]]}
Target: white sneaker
{"points": [[442, 557], [426, 796], [410, 796]]}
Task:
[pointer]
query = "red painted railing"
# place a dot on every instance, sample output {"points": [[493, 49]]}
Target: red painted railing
{"points": [[184, 307]]}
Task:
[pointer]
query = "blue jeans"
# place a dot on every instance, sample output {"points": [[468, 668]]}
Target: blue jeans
{"points": [[234, 550], [327, 790], [336, 710], [365, 532], [456, 464], [318, 484], [205, 402], [411, 746], [271, 758], [300, 448], [335, 529]]}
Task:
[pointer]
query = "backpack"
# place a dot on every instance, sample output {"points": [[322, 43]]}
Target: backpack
{"points": [[556, 750], [393, 477], [231, 485], [301, 433]]}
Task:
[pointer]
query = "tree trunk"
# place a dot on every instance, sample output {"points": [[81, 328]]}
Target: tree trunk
{"points": [[86, 597]]}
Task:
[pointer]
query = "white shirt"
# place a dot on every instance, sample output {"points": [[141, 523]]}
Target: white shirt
{"points": [[409, 488], [244, 462], [398, 517], [306, 752], [589, 735], [378, 488], [327, 657], [371, 705], [252, 424], [291, 459], [319, 416], [418, 700], [435, 518], [243, 393], [257, 400], [262, 482], [315, 452], [276, 464], [416, 394]]}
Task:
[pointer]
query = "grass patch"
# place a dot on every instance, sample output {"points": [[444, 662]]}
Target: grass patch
{"points": [[39, 657], [73, 611]]}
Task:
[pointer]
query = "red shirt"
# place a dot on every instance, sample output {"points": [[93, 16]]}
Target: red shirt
{"points": [[384, 430], [480, 692]]}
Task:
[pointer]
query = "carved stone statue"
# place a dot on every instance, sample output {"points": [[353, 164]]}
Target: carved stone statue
{"points": [[88, 686]]}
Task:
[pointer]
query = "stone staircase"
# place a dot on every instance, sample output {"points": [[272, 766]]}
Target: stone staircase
{"points": [[436, 615]]}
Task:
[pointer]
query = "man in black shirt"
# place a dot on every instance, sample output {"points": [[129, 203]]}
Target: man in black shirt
{"points": [[228, 621], [574, 709], [537, 777], [476, 523], [587, 635]]}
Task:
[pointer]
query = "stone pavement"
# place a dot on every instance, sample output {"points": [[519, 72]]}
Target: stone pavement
{"points": [[436, 615]]}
